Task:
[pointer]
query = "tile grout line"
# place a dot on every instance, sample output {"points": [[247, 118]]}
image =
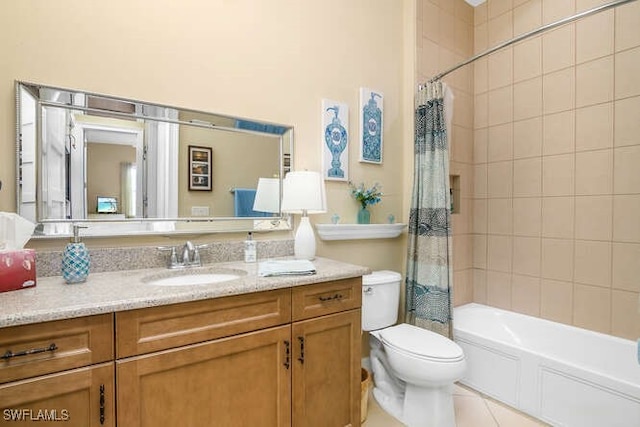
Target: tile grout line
{"points": [[613, 176], [486, 405]]}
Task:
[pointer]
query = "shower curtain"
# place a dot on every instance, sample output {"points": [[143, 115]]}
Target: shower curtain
{"points": [[429, 278]]}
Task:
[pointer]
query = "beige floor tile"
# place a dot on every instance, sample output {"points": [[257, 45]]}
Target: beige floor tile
{"points": [[377, 417], [461, 390], [471, 411], [509, 417]]}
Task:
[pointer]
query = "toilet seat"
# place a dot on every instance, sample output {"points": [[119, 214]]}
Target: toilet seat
{"points": [[421, 344]]}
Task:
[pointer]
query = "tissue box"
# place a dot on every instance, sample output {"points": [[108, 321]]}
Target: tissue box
{"points": [[17, 269]]}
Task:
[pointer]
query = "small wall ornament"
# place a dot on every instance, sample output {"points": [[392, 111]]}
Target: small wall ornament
{"points": [[335, 137], [371, 126]]}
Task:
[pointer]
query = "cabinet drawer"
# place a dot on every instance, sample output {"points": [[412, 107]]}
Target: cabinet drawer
{"points": [[159, 328], [30, 350], [326, 298]]}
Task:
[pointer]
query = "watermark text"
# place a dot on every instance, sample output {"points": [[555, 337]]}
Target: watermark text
{"points": [[15, 414]]}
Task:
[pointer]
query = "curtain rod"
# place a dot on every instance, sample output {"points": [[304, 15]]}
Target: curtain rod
{"points": [[527, 35]]}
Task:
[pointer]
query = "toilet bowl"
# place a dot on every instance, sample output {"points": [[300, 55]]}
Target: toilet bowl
{"points": [[413, 369]]}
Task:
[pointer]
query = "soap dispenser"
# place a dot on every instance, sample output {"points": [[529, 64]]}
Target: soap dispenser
{"points": [[250, 249], [75, 259]]}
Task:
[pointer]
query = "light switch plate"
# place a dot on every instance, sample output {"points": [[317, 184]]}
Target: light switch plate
{"points": [[199, 210]]}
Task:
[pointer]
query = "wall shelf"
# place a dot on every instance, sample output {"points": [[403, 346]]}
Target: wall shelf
{"points": [[359, 231]]}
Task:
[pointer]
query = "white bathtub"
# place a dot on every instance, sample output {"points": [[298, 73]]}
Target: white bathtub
{"points": [[563, 375]]}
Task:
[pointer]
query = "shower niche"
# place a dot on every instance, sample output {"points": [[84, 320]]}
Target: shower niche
{"points": [[454, 193]]}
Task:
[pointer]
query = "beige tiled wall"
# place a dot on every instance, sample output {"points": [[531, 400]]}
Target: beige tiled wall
{"points": [[445, 38], [556, 164]]}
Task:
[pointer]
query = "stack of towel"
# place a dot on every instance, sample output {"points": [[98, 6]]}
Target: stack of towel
{"points": [[293, 267]]}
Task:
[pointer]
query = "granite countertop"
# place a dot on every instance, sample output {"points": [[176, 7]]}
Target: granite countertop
{"points": [[53, 299]]}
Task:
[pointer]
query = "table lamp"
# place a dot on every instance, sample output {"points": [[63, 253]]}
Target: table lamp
{"points": [[303, 193], [267, 196]]}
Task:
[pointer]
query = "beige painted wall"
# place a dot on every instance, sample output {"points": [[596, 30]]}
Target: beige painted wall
{"points": [[557, 187], [272, 60]]}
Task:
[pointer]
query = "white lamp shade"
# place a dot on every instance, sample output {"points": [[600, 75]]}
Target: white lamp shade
{"points": [[267, 195], [304, 191]]}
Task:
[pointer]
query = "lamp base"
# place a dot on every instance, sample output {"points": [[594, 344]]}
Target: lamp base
{"points": [[304, 246]]}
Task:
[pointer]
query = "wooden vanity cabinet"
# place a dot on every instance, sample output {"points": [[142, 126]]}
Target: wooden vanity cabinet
{"points": [[210, 367], [289, 357], [235, 381], [327, 350], [58, 372], [82, 397]]}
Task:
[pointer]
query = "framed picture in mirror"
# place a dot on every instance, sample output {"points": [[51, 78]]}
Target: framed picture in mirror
{"points": [[199, 168]]}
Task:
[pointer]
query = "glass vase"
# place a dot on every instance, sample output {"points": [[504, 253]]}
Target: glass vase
{"points": [[364, 216]]}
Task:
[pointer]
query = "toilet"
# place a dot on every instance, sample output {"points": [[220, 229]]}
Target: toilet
{"points": [[413, 369]]}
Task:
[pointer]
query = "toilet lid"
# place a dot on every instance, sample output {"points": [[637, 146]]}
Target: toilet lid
{"points": [[421, 343], [381, 277]]}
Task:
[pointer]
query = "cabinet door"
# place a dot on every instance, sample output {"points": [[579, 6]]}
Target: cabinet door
{"points": [[243, 380], [81, 397], [326, 374]]}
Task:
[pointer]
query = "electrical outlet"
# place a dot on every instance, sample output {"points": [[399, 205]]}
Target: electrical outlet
{"points": [[199, 210]]}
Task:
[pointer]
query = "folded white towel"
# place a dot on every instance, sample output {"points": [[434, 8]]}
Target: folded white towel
{"points": [[293, 267]]}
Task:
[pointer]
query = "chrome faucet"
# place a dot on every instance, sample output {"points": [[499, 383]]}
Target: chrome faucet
{"points": [[187, 253], [190, 255]]}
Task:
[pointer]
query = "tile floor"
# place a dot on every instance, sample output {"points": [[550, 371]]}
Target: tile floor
{"points": [[472, 410]]}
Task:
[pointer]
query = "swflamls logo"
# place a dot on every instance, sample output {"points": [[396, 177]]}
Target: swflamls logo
{"points": [[35, 415]]}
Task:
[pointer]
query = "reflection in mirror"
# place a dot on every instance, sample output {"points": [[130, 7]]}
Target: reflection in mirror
{"points": [[123, 166]]}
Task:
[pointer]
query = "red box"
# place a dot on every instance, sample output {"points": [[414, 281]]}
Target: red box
{"points": [[17, 269]]}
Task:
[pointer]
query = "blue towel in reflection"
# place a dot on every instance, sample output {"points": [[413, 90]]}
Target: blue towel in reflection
{"points": [[243, 203]]}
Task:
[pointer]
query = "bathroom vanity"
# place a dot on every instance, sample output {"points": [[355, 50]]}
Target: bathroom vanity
{"points": [[279, 351]]}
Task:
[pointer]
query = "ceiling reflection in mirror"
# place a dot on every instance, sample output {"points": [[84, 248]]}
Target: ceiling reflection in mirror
{"points": [[122, 166]]}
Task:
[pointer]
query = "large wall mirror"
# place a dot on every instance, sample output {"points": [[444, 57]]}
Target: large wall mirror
{"points": [[121, 166]]}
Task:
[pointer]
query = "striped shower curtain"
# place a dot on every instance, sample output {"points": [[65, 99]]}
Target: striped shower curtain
{"points": [[429, 278]]}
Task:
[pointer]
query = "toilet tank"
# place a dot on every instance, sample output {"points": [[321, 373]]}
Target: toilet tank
{"points": [[380, 299]]}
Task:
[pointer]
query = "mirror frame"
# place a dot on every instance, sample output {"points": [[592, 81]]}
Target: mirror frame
{"points": [[56, 228]]}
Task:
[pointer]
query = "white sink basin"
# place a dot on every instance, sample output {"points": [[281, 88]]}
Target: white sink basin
{"points": [[193, 277]]}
